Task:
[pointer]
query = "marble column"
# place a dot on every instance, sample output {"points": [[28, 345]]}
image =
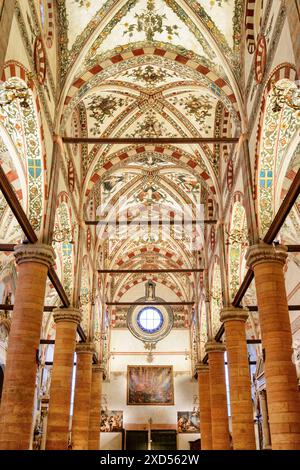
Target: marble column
{"points": [[267, 262], [82, 399], [16, 413], [243, 434], [95, 407], [265, 420], [67, 320], [218, 397], [204, 404]]}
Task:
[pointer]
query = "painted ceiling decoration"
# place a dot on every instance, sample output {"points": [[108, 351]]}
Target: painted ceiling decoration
{"points": [[153, 20], [150, 68]]}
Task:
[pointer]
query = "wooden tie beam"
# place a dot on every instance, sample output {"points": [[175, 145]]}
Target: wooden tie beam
{"points": [[150, 140], [129, 304], [149, 223], [149, 271]]}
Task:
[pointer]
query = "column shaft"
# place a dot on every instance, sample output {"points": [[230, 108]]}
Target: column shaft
{"points": [[95, 408], [61, 381], [16, 412], [205, 409], [82, 399], [281, 380], [218, 398], [243, 434]]}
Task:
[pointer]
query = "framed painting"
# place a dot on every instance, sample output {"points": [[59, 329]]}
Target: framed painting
{"points": [[111, 421], [188, 422], [150, 385]]}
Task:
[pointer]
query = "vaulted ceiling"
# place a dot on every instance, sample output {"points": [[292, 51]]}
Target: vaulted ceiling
{"points": [[153, 68]]}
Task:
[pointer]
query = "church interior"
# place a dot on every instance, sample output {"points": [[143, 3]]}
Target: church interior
{"points": [[149, 225]]}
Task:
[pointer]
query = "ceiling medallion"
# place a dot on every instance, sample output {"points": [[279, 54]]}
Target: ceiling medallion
{"points": [[149, 75], [260, 59], [150, 23], [40, 60]]}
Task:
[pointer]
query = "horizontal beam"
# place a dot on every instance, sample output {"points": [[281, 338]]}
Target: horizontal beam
{"points": [[150, 140], [6, 308], [149, 271], [149, 223], [149, 303], [7, 247], [293, 248], [292, 308]]}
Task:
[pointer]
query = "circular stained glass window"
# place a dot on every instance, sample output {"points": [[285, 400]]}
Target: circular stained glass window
{"points": [[150, 319]]}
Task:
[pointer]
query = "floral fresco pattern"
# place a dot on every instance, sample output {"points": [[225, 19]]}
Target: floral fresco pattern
{"points": [[278, 130], [21, 123], [102, 107], [197, 106], [150, 22]]}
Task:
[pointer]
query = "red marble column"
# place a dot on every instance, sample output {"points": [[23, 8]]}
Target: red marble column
{"points": [[267, 262], [218, 397], [67, 320], [95, 407], [82, 399], [21, 366], [243, 435], [205, 408]]}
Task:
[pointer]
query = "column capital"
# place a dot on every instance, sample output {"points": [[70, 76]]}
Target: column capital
{"points": [[263, 253], [85, 348], [200, 367], [98, 368], [214, 346], [69, 314], [38, 253], [234, 314]]}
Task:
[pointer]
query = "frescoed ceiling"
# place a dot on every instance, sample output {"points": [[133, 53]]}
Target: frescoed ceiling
{"points": [[151, 69]]}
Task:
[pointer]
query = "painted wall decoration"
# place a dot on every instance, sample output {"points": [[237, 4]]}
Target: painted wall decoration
{"points": [[150, 385], [188, 421], [229, 175], [278, 131], [21, 123], [40, 60], [238, 243], [111, 421], [260, 59], [71, 176], [216, 297]]}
